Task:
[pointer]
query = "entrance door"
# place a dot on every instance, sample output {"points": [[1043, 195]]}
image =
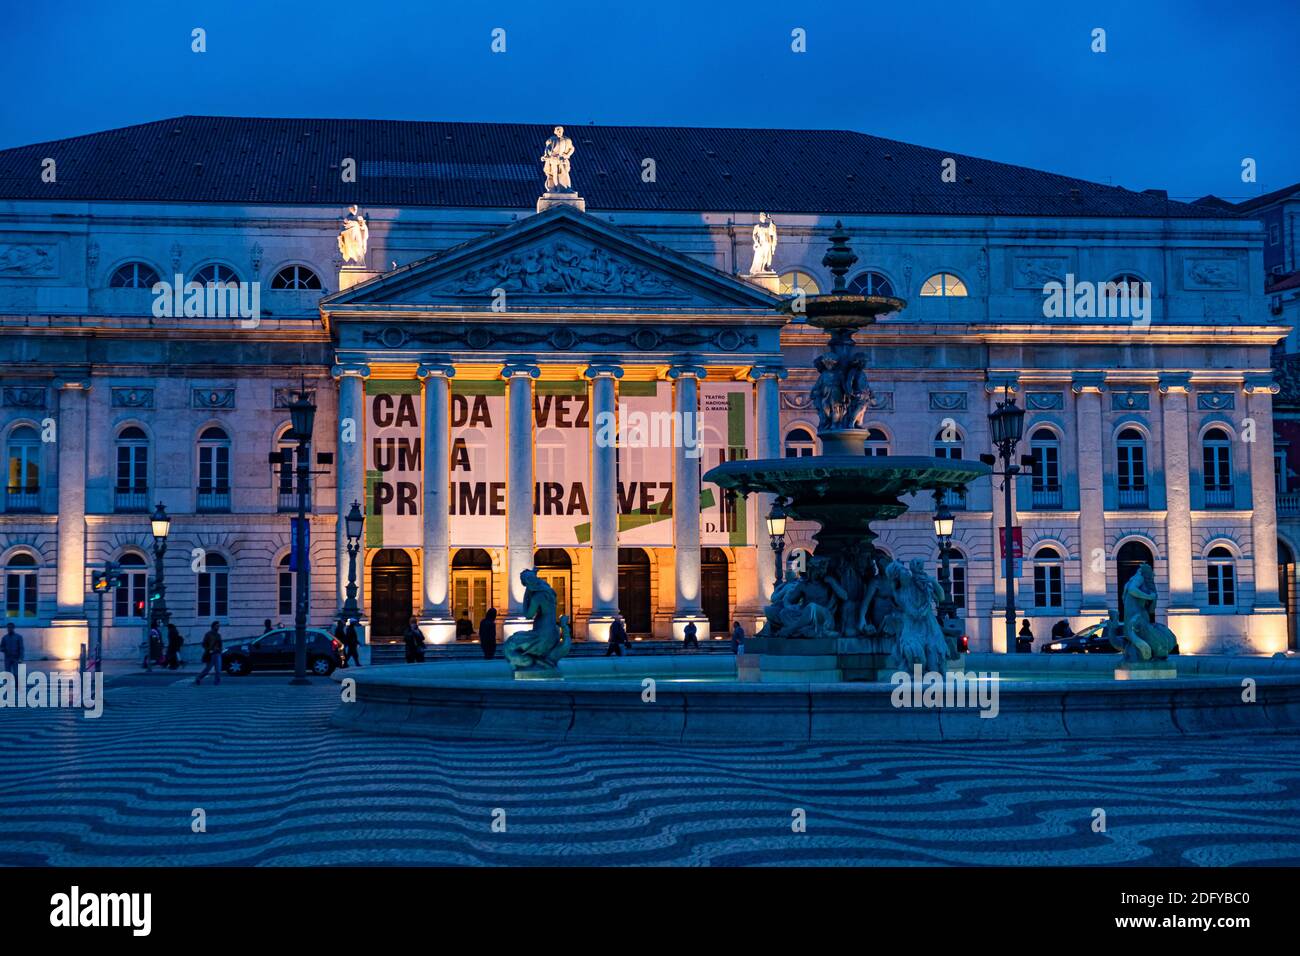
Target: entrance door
{"points": [[715, 595], [1286, 591], [390, 593], [556, 569], [634, 589], [471, 584]]}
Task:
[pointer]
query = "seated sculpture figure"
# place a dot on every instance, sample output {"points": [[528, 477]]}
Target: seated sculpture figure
{"points": [[1140, 638], [542, 647], [802, 606], [920, 641]]}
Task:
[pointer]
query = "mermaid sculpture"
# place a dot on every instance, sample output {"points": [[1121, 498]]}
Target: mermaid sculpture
{"points": [[542, 647]]}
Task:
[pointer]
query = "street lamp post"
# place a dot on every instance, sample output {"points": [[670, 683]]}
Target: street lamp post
{"points": [[943, 526], [161, 524], [776, 532], [102, 581], [355, 524], [1006, 424], [302, 414]]}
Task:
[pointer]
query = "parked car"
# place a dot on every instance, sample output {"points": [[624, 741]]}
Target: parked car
{"points": [[274, 650], [1089, 640]]}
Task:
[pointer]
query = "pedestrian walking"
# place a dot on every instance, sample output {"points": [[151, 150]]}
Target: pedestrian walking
{"points": [[487, 634], [617, 638], [11, 646], [341, 635], [1025, 639], [737, 638], [414, 641], [212, 645], [266, 627], [174, 642], [351, 643], [691, 634]]}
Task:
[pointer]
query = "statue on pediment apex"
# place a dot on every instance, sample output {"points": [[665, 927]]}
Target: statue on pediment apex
{"points": [[556, 157], [764, 235], [353, 236]]}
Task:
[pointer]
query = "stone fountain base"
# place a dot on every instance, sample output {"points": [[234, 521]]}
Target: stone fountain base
{"points": [[823, 660]]}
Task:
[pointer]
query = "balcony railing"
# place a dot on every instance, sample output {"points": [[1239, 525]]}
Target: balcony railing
{"points": [[1133, 498], [954, 499], [212, 500], [1046, 499], [1288, 503], [24, 499], [130, 500], [1218, 497], [288, 500]]}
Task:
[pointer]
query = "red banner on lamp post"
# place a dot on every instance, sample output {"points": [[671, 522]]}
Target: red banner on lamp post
{"points": [[1017, 550]]}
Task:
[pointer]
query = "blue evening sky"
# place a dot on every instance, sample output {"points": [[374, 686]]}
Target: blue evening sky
{"points": [[1184, 92]]}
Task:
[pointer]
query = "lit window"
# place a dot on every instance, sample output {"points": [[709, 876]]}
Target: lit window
{"points": [[133, 275], [943, 284], [295, 277], [870, 283], [1048, 580], [1222, 578], [791, 282], [24, 464], [213, 587], [877, 443], [216, 274], [20, 586], [129, 596], [799, 443]]}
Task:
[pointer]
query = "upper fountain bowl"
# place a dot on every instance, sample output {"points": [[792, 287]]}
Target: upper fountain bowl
{"points": [[838, 310]]}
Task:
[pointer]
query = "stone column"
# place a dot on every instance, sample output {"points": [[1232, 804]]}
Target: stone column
{"points": [[1174, 389], [686, 500], [351, 477], [1268, 624], [437, 623], [69, 627], [604, 499], [1087, 387], [767, 379], [519, 487]]}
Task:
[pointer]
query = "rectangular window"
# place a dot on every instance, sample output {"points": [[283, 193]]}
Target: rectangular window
{"points": [[212, 594], [214, 468], [1222, 586], [1047, 468], [132, 468], [1218, 468], [958, 574], [286, 593], [1132, 468], [20, 594], [1047, 586], [129, 597]]}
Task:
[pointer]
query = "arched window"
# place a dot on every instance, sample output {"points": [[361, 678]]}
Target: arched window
{"points": [[23, 492], [215, 273], [794, 281], [1045, 448], [20, 585], [295, 277], [214, 470], [129, 598], [1131, 467], [133, 275], [1216, 451], [799, 443], [1124, 284], [1049, 578], [286, 589], [943, 284], [213, 587], [877, 443], [1222, 578], [948, 443], [957, 577], [131, 484], [870, 283]]}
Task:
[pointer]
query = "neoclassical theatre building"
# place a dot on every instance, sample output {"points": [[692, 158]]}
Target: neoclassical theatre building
{"points": [[510, 373]]}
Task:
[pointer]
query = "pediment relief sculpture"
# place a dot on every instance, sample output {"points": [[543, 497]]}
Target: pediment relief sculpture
{"points": [[563, 267]]}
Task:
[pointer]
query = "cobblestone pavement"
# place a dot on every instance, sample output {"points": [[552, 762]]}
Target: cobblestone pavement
{"points": [[278, 785]]}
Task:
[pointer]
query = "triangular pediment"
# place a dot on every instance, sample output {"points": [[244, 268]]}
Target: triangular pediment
{"points": [[559, 260]]}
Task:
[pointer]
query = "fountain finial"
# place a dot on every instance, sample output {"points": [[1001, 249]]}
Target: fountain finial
{"points": [[840, 258]]}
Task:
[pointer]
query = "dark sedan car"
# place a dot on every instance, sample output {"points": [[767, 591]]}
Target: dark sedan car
{"points": [[1090, 640], [274, 650]]}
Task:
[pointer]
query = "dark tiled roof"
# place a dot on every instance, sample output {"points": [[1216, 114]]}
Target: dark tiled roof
{"points": [[495, 165], [1250, 205], [1282, 283]]}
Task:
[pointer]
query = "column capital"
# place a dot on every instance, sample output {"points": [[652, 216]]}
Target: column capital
{"points": [[602, 369], [435, 370], [344, 369], [777, 372], [1176, 382], [1260, 382], [1091, 383], [520, 368], [997, 381], [685, 369]]}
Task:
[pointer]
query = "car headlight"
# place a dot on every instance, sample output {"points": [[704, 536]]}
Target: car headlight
{"points": [[1056, 647]]}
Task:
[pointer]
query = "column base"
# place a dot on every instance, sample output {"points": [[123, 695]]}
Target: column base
{"points": [[513, 625], [598, 625], [438, 628], [701, 625], [65, 636]]}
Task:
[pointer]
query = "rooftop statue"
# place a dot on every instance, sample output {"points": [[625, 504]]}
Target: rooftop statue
{"points": [[764, 245], [353, 237], [549, 640], [556, 156]]}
